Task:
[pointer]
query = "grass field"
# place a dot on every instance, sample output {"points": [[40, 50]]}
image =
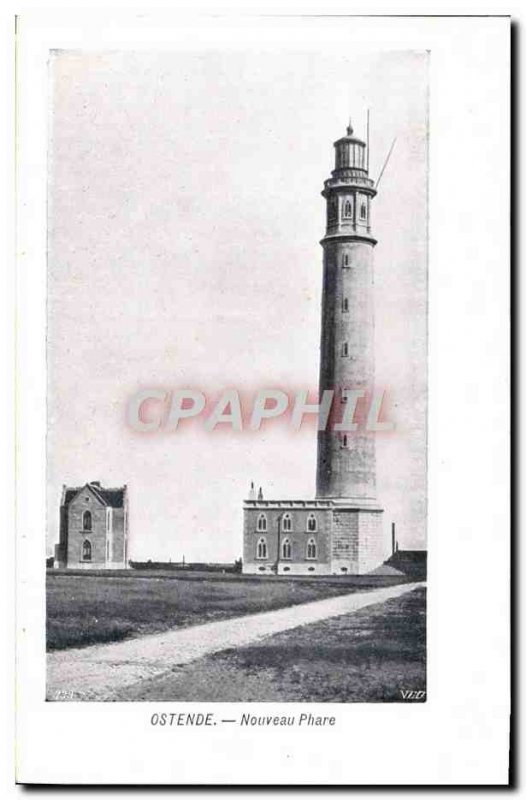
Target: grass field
{"points": [[372, 655], [84, 609]]}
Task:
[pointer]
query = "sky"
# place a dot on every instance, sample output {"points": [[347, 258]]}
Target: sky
{"points": [[184, 219]]}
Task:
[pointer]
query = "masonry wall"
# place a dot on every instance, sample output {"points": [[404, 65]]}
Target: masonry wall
{"points": [[298, 537], [118, 557], [86, 501], [373, 542], [60, 551], [345, 551]]}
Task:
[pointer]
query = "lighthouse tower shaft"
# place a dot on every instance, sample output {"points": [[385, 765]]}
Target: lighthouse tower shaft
{"points": [[346, 466]]}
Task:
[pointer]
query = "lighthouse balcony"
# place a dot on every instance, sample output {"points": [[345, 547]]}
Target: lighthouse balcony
{"points": [[348, 177]]}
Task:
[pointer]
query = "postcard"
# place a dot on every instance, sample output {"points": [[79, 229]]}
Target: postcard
{"points": [[251, 270]]}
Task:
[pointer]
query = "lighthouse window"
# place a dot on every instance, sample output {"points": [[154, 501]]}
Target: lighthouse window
{"points": [[345, 349], [261, 550], [345, 259], [343, 156], [262, 522], [363, 211], [287, 522], [286, 549], [345, 304], [311, 548], [344, 440], [347, 209], [311, 523]]}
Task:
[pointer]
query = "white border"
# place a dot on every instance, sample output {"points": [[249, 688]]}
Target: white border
{"points": [[460, 735]]}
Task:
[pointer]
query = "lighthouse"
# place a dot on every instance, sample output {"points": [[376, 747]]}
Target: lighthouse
{"points": [[346, 461], [340, 531]]}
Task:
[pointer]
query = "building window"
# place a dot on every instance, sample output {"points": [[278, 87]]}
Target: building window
{"points": [[286, 549], [287, 522], [262, 522], [347, 209], [345, 260], [343, 395], [345, 305], [363, 211], [345, 349], [312, 525], [261, 550], [344, 440], [108, 549], [311, 549], [86, 550], [86, 521]]}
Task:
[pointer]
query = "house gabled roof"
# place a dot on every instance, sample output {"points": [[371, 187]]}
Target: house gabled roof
{"points": [[114, 497]]}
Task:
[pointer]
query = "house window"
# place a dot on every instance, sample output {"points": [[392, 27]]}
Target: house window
{"points": [[311, 548], [262, 522], [286, 549], [312, 525], [287, 522], [345, 305], [261, 549], [363, 211], [345, 349], [86, 521], [86, 550]]}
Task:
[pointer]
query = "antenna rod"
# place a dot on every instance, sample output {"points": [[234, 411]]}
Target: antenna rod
{"points": [[385, 163], [367, 140]]}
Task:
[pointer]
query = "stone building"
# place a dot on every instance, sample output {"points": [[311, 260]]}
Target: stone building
{"points": [[93, 527], [341, 530]]}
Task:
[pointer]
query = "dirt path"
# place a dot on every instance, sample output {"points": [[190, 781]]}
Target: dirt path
{"points": [[95, 673]]}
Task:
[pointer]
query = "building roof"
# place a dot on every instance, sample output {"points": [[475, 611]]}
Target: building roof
{"points": [[332, 503], [350, 137], [113, 497]]}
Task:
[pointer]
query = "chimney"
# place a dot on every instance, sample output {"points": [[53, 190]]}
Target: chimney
{"points": [[252, 491], [260, 494]]}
